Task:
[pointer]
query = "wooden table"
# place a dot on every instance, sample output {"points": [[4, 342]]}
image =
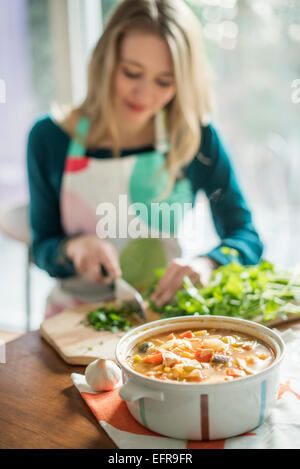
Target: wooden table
{"points": [[40, 407]]}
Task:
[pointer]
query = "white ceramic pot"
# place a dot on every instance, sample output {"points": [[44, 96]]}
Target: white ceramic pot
{"points": [[199, 411]]}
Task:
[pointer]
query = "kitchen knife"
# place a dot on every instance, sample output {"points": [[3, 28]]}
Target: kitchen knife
{"points": [[125, 293]]}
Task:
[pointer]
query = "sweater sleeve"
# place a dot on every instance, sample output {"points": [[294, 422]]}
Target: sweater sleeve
{"points": [[47, 233], [231, 215]]}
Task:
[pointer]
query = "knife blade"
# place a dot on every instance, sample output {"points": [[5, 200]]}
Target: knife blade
{"points": [[126, 293]]}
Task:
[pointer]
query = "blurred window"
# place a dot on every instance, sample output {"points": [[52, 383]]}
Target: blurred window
{"points": [[44, 50], [253, 46], [107, 7], [26, 69], [41, 59]]}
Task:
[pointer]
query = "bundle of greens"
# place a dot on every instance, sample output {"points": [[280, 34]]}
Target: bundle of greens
{"points": [[259, 293], [110, 317]]}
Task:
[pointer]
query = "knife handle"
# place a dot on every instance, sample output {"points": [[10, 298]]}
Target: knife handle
{"points": [[104, 271], [105, 274]]}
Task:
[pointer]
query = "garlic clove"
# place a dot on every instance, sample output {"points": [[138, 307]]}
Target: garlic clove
{"points": [[103, 375]]}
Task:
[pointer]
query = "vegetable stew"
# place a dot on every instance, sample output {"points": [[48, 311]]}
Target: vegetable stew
{"points": [[196, 356]]}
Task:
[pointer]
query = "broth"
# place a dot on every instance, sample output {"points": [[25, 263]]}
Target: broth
{"points": [[200, 356]]}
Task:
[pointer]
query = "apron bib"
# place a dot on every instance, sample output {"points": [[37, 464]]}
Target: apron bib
{"points": [[116, 199]]}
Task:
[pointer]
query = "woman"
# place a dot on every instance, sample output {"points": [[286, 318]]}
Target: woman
{"points": [[142, 132]]}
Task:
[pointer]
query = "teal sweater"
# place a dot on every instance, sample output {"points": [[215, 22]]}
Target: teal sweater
{"points": [[210, 171]]}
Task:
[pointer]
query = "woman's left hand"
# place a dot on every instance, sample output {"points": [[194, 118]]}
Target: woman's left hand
{"points": [[199, 270]]}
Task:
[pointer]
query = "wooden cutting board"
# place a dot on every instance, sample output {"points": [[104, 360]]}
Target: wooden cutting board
{"points": [[78, 344]]}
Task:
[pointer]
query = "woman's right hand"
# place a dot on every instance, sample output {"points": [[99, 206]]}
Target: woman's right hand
{"points": [[88, 253]]}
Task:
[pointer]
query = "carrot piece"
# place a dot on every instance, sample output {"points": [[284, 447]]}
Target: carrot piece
{"points": [[234, 372], [198, 378], [186, 335], [204, 355], [154, 359]]}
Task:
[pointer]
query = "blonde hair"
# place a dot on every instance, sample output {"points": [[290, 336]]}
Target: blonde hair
{"points": [[191, 106]]}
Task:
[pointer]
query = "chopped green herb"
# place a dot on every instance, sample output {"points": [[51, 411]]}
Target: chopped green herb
{"points": [[257, 292], [110, 318]]}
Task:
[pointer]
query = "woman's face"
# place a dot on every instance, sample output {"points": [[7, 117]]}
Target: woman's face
{"points": [[144, 78]]}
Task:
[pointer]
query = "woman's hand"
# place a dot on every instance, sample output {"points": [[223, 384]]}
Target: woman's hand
{"points": [[199, 270], [88, 253]]}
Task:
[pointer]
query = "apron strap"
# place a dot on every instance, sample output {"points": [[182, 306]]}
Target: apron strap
{"points": [[77, 147]]}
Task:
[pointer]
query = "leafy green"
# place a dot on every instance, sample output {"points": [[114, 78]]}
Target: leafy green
{"points": [[257, 292]]}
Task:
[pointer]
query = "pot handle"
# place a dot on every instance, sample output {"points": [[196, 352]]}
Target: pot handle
{"points": [[131, 392]]}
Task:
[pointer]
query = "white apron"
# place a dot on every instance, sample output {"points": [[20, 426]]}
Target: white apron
{"points": [[114, 197]]}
